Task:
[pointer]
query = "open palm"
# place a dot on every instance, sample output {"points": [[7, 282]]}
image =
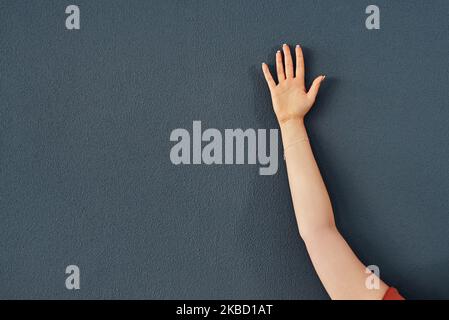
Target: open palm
{"points": [[289, 96]]}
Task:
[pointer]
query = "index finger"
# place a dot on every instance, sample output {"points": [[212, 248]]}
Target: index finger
{"points": [[299, 63]]}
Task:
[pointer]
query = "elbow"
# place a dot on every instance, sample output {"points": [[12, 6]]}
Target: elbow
{"points": [[313, 233]]}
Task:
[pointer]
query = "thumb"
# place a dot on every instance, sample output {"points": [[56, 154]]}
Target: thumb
{"points": [[315, 87]]}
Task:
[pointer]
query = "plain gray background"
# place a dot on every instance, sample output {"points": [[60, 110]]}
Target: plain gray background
{"points": [[85, 173]]}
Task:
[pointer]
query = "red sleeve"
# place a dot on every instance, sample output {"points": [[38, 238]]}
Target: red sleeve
{"points": [[392, 294]]}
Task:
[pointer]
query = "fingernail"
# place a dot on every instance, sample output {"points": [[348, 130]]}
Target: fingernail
{"points": [[324, 77], [279, 51], [284, 45], [298, 46]]}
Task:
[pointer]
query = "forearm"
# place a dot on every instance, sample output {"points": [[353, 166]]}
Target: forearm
{"points": [[311, 201]]}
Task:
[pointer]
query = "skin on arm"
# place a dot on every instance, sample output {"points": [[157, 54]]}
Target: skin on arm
{"points": [[341, 272]]}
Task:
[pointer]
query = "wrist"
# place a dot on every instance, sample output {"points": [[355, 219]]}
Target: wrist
{"points": [[287, 123], [292, 130]]}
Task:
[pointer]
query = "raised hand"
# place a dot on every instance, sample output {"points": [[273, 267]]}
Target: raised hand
{"points": [[290, 98]]}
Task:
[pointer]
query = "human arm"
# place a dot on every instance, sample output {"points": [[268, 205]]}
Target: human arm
{"points": [[341, 272]]}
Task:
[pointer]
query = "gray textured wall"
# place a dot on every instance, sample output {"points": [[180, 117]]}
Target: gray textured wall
{"points": [[85, 173]]}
